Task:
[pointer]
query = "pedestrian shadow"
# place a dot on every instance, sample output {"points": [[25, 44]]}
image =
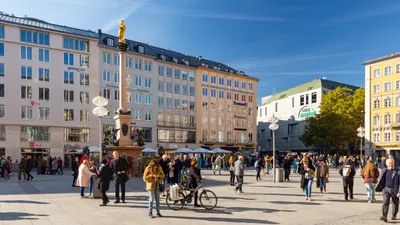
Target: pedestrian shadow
{"points": [[236, 198], [294, 203], [10, 216], [279, 194], [24, 202], [265, 186], [342, 200], [224, 219]]}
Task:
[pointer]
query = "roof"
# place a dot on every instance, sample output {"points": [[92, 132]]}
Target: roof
{"points": [[158, 52], [36, 23], [309, 86], [382, 59]]}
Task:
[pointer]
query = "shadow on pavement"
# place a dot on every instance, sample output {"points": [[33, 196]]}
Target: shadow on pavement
{"points": [[225, 219], [9, 216], [295, 203], [236, 198], [279, 194], [23, 202]]}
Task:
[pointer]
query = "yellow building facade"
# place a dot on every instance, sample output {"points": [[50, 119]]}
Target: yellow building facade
{"points": [[226, 108], [382, 106]]}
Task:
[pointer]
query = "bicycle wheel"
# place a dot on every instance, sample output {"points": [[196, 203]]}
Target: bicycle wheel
{"points": [[208, 199], [176, 204]]}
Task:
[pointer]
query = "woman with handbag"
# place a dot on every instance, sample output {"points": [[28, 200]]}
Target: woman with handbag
{"points": [[370, 173], [153, 176], [306, 170]]}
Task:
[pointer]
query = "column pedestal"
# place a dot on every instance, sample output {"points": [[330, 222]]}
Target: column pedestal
{"points": [[122, 123]]}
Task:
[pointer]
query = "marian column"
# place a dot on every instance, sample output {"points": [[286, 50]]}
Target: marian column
{"points": [[123, 119]]}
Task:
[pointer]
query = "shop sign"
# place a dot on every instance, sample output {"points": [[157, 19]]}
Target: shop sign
{"points": [[240, 103], [172, 146], [306, 111], [388, 146]]}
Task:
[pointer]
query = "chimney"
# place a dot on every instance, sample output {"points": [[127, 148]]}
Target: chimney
{"points": [[199, 58], [99, 31]]}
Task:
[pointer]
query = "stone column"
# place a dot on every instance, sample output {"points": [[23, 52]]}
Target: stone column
{"points": [[123, 119]]}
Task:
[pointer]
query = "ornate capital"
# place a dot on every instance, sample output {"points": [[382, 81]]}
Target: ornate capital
{"points": [[123, 47]]}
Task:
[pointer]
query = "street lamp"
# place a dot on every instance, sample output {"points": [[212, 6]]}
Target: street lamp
{"points": [[361, 134], [273, 126], [100, 111]]}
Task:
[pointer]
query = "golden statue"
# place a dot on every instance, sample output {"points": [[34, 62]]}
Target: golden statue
{"points": [[121, 32]]}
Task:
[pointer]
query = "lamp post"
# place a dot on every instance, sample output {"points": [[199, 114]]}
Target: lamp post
{"points": [[273, 126], [361, 134], [100, 111]]}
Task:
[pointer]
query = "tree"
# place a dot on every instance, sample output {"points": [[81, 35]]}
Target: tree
{"points": [[341, 113]]}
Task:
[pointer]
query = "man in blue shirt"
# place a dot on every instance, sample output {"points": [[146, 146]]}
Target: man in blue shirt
{"points": [[388, 184]]}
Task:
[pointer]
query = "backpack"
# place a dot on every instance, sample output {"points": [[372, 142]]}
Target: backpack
{"points": [[256, 164], [346, 170]]}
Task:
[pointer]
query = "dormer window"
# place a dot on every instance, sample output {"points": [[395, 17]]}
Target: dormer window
{"points": [[129, 45], [206, 65], [175, 60], [163, 57], [110, 42], [141, 49], [231, 71], [186, 63]]}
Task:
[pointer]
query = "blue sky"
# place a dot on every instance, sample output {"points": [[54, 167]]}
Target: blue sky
{"points": [[282, 42]]}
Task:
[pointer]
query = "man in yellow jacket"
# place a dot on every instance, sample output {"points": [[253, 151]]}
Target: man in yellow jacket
{"points": [[153, 176]]}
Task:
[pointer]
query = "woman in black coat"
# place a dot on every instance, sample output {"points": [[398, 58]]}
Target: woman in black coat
{"points": [[306, 169], [106, 175], [193, 176]]}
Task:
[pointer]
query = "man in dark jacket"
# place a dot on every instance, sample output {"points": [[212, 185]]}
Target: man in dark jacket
{"points": [[388, 184], [106, 175], [178, 167], [120, 166], [164, 163], [22, 168], [75, 170], [28, 168], [347, 171], [286, 167]]}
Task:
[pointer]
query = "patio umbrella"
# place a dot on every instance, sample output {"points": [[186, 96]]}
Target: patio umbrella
{"points": [[219, 150], [202, 150], [149, 150], [182, 150], [94, 149]]}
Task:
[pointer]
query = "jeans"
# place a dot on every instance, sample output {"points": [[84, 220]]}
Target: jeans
{"points": [[308, 186], [232, 177], [240, 183], [322, 184], [287, 173], [74, 180], [91, 185], [179, 177], [388, 193], [268, 168], [82, 191], [164, 184], [370, 190], [154, 195]]}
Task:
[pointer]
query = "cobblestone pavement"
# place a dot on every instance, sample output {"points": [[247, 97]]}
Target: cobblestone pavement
{"points": [[52, 200]]}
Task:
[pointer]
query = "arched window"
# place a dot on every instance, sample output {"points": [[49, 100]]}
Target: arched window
{"points": [[377, 103], [388, 118], [397, 117], [388, 102], [376, 120]]}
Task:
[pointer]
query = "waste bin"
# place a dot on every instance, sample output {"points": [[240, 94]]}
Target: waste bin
{"points": [[96, 191], [279, 174]]}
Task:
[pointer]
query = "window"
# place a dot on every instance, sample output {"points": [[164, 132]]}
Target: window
{"points": [[236, 84], [205, 77], [221, 94], [84, 97], [84, 61], [169, 71], [44, 74], [128, 79], [301, 99], [26, 53], [84, 116], [191, 106], [228, 95], [397, 117], [26, 92], [236, 96], [76, 44], [68, 59], [191, 91], [116, 60], [184, 75], [205, 106], [44, 94], [276, 107], [250, 98], [106, 76], [2, 111], [376, 120], [243, 98], [147, 99], [34, 37], [138, 98], [397, 82], [138, 81], [306, 99], [44, 113], [205, 92], [314, 97], [106, 58], [377, 73], [26, 112], [129, 62], [107, 93], [177, 74], [213, 93], [177, 89], [68, 115], [177, 104], [387, 118], [191, 75], [184, 90], [243, 85], [138, 64], [2, 70], [141, 49], [84, 79], [147, 66], [2, 90], [76, 135], [116, 95], [160, 85], [388, 136], [116, 78], [377, 103], [213, 79], [169, 102], [163, 57], [35, 133], [398, 68], [169, 87], [26, 72], [250, 86], [68, 77], [110, 42], [161, 101], [229, 82], [147, 82], [388, 86], [161, 70], [388, 70], [147, 115], [397, 100], [2, 49], [388, 101], [376, 88], [138, 114], [44, 55], [68, 96], [2, 32]]}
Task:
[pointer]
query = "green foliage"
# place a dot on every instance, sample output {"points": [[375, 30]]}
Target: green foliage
{"points": [[341, 113]]}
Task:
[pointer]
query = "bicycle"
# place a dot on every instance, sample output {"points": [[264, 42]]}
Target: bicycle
{"points": [[207, 198]]}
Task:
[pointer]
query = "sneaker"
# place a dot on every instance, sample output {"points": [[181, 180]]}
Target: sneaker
{"points": [[309, 199], [351, 197], [324, 190], [151, 215], [306, 199], [384, 219], [159, 215], [116, 202], [104, 204], [369, 201]]}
